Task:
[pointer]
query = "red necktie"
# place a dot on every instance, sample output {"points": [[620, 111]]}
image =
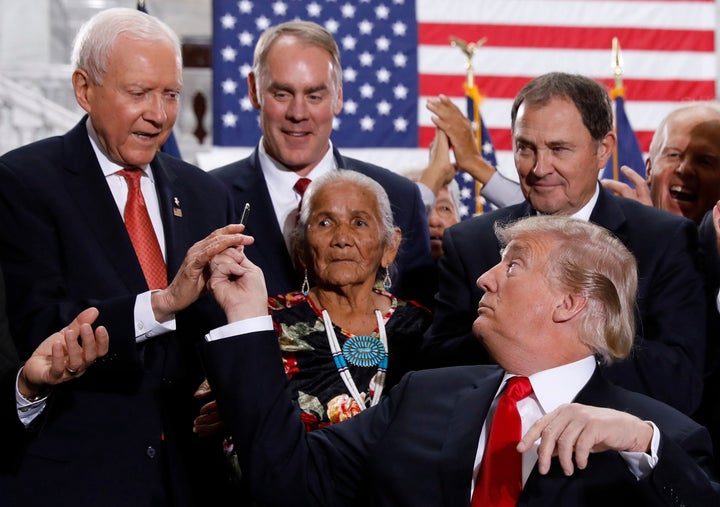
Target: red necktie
{"points": [[300, 186], [500, 477], [141, 232]]}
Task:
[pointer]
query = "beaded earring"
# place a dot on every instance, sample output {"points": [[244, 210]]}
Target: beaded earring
{"points": [[305, 285], [387, 282]]}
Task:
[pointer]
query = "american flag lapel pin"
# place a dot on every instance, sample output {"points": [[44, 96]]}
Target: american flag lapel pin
{"points": [[176, 207]]}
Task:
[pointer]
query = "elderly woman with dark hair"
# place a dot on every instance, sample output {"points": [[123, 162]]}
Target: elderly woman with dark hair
{"points": [[344, 337]]}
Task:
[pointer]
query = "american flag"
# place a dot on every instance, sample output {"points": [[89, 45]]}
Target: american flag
{"points": [[397, 53]]}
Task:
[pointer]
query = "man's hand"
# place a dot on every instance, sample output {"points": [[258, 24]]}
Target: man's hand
{"points": [[190, 281], [640, 193], [578, 430], [208, 423], [457, 127], [238, 285], [440, 171], [60, 357]]}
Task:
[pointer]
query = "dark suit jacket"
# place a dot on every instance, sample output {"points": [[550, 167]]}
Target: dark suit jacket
{"points": [[12, 431], [417, 447], [669, 347], [709, 413], [123, 431], [413, 279]]}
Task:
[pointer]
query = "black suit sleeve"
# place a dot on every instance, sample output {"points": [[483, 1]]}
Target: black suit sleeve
{"points": [[681, 474], [12, 431], [283, 464], [469, 249]]}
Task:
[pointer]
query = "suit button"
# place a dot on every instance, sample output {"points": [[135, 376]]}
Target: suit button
{"points": [[150, 452]]}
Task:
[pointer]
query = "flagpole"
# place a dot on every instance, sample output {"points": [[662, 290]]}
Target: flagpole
{"points": [[472, 92], [617, 65]]}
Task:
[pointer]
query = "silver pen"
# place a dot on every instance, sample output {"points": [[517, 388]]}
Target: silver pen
{"points": [[246, 211]]}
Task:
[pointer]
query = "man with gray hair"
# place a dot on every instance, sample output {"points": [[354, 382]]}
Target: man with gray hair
{"points": [[98, 217], [542, 427]]}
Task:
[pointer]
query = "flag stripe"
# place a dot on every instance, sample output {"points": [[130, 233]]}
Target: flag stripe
{"points": [[690, 15], [520, 36], [490, 61], [653, 90]]}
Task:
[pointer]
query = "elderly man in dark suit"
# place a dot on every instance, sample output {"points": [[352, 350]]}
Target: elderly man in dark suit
{"points": [[559, 301], [562, 136], [121, 435], [296, 83]]}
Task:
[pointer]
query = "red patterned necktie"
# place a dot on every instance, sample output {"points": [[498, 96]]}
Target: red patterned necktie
{"points": [[500, 477], [300, 186], [142, 233]]}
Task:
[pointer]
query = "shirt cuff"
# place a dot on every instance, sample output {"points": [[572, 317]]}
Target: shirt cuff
{"points": [[642, 463], [145, 324], [27, 410], [240, 327]]}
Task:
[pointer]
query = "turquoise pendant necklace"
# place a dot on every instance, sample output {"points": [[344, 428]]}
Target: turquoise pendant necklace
{"points": [[363, 351]]}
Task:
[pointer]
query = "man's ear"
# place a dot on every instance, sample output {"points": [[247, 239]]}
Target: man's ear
{"points": [[605, 149], [252, 90], [338, 107], [568, 307], [82, 87]]}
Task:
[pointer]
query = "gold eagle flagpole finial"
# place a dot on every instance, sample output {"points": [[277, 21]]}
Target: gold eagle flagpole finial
{"points": [[468, 49]]}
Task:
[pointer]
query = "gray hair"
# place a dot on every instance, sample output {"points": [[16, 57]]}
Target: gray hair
{"points": [[96, 38], [298, 238], [588, 260], [305, 31]]}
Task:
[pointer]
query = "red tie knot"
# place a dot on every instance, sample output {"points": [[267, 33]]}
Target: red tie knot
{"points": [[518, 388], [131, 174], [301, 185]]}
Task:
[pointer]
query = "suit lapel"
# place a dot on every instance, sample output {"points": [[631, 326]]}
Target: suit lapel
{"points": [[170, 198], [88, 190], [608, 214], [463, 433]]}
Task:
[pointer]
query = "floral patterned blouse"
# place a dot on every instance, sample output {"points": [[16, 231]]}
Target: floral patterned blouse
{"points": [[314, 380]]}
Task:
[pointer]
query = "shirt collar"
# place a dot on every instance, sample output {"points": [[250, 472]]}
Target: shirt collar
{"points": [[585, 212], [278, 176], [559, 385]]}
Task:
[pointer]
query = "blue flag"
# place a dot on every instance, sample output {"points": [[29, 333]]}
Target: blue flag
{"points": [[171, 146], [627, 151], [378, 44], [471, 203]]}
